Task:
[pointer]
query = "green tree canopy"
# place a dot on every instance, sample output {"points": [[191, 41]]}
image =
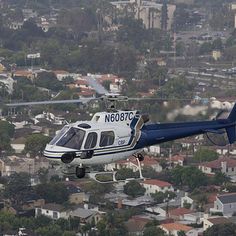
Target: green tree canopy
{"points": [[190, 176], [48, 80], [6, 133], [134, 189], [221, 230], [17, 186], [35, 144], [153, 230], [53, 192], [179, 87], [204, 154]]}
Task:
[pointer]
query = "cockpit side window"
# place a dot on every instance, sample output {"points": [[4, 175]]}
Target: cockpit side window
{"points": [[91, 140], [107, 138], [59, 135], [72, 139]]}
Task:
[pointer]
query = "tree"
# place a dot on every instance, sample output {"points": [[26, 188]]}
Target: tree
{"points": [[164, 15], [160, 197], [220, 178], [53, 192], [179, 87], [112, 224], [203, 154], [205, 48], [48, 80], [43, 175], [190, 176], [96, 188], [217, 44], [36, 143], [181, 233], [221, 230], [153, 230], [18, 186], [6, 133], [134, 189], [50, 230], [125, 173]]}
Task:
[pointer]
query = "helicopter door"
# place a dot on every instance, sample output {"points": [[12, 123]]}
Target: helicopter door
{"points": [[90, 143], [107, 138]]}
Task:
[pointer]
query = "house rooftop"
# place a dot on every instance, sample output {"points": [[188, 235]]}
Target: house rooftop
{"points": [[219, 220], [82, 213], [180, 211], [216, 164], [176, 226], [227, 198], [53, 207], [157, 182]]}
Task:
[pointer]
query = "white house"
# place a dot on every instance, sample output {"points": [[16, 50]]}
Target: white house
{"points": [[52, 210], [132, 163], [210, 221], [153, 150], [186, 199], [225, 203], [224, 164], [154, 186], [86, 215], [175, 228]]}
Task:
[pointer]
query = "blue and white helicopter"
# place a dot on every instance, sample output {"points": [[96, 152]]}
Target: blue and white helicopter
{"points": [[116, 135]]}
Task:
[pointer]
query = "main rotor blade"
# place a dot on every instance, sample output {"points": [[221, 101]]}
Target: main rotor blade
{"points": [[80, 100], [160, 99]]}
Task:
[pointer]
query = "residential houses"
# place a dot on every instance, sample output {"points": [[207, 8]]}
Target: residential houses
{"points": [[175, 228], [210, 221], [132, 163], [16, 164], [57, 211], [148, 11], [178, 213], [87, 215], [52, 210], [225, 204], [136, 225], [187, 200], [154, 186], [223, 164]]}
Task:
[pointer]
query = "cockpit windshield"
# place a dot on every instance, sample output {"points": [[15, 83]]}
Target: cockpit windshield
{"points": [[59, 135], [73, 138]]}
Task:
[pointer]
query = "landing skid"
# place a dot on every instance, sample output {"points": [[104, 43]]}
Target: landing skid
{"points": [[110, 176], [104, 177]]}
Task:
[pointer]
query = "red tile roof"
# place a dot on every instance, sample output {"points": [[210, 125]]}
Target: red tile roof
{"points": [[148, 161], [219, 220], [81, 82], [180, 211], [176, 226], [177, 158], [216, 164], [157, 182], [60, 72]]}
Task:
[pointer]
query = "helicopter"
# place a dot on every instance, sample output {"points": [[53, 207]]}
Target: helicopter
{"points": [[115, 135]]}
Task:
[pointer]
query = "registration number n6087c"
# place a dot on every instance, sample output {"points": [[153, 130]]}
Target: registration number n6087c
{"points": [[116, 117]]}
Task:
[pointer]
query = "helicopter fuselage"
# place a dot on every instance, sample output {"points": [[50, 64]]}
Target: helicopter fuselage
{"points": [[110, 137]]}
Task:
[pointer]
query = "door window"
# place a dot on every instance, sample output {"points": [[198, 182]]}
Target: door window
{"points": [[107, 138], [91, 140]]}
